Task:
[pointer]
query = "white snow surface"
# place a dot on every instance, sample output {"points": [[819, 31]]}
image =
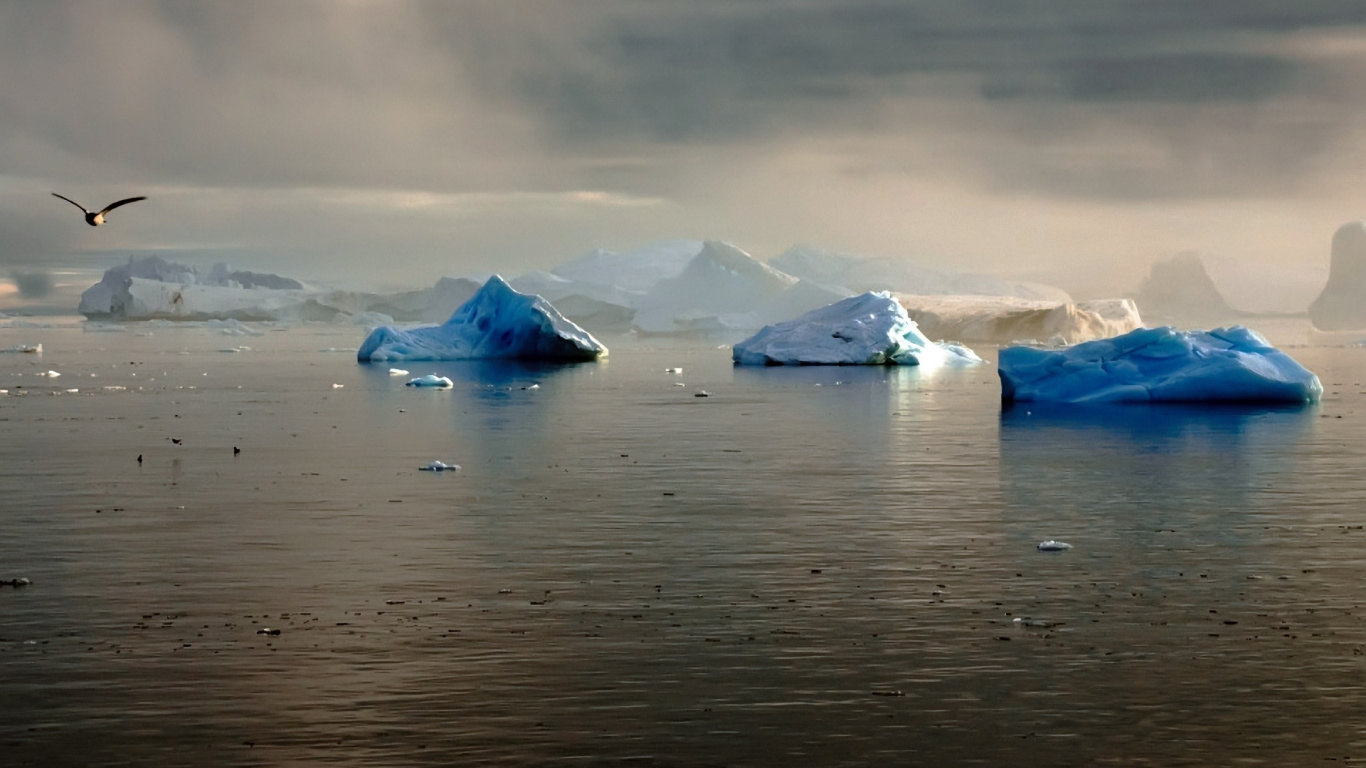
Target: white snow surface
{"points": [[725, 289], [1232, 364], [497, 322], [1006, 319], [869, 329]]}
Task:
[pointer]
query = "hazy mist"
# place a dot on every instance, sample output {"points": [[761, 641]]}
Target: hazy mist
{"points": [[1073, 141]]}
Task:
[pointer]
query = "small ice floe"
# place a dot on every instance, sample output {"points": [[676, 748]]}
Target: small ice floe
{"points": [[440, 466], [533, 387], [431, 380], [27, 349], [338, 386], [701, 393], [1036, 623], [267, 631], [1053, 546], [230, 350], [675, 371], [50, 374], [16, 583], [680, 384], [397, 372]]}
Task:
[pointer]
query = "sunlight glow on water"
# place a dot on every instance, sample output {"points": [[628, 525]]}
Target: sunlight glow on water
{"points": [[812, 565]]}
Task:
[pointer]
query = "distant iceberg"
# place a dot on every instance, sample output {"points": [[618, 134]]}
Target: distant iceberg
{"points": [[153, 288], [725, 289], [869, 329], [1158, 365], [497, 322], [1007, 319], [899, 275]]}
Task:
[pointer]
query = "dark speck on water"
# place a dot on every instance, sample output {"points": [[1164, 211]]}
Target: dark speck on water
{"points": [[550, 609]]}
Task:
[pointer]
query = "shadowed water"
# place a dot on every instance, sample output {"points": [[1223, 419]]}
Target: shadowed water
{"points": [[808, 566]]}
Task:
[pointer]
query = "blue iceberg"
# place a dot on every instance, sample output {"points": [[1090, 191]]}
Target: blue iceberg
{"points": [[1231, 364], [870, 329], [497, 322]]}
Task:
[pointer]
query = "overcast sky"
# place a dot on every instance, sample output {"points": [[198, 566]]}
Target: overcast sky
{"points": [[367, 140]]}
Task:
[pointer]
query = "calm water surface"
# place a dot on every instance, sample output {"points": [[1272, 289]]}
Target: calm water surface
{"points": [[815, 566]]}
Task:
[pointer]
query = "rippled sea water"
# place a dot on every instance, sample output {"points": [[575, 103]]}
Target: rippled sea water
{"points": [[812, 566]]}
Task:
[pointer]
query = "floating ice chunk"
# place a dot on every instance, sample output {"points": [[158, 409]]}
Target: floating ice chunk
{"points": [[497, 322], [29, 349], [868, 329], [431, 380], [397, 372], [338, 386], [50, 374], [440, 466], [1159, 365], [1053, 546]]}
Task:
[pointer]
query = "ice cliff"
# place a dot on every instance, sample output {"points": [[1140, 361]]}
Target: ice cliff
{"points": [[1342, 304]]}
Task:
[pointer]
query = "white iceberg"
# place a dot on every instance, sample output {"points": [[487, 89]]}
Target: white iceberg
{"points": [[497, 322], [725, 289], [438, 465], [1158, 365], [431, 380], [1006, 319], [152, 287], [869, 329]]}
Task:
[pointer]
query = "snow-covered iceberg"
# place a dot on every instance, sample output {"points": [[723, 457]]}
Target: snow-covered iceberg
{"points": [[497, 322], [725, 289], [1231, 364], [869, 329], [1006, 319]]}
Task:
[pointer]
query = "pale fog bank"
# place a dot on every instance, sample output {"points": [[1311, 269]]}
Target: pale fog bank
{"points": [[701, 288]]}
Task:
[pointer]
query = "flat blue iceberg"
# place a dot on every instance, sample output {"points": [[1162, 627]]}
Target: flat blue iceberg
{"points": [[497, 322], [1158, 365], [869, 329]]}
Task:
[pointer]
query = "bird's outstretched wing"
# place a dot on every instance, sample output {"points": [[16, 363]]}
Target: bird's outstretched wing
{"points": [[73, 202], [125, 201]]}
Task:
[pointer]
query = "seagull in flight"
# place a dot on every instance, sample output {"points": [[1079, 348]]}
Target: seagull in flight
{"points": [[93, 218]]}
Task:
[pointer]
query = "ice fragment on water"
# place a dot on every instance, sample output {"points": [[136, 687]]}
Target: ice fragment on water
{"points": [[431, 380], [440, 466], [397, 372], [1054, 546]]}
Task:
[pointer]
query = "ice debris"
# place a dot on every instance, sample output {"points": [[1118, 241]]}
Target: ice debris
{"points": [[1231, 364], [1053, 546], [869, 329], [431, 380], [497, 322], [440, 466]]}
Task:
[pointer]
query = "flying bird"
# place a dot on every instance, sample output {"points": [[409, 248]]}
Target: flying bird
{"points": [[93, 218]]}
